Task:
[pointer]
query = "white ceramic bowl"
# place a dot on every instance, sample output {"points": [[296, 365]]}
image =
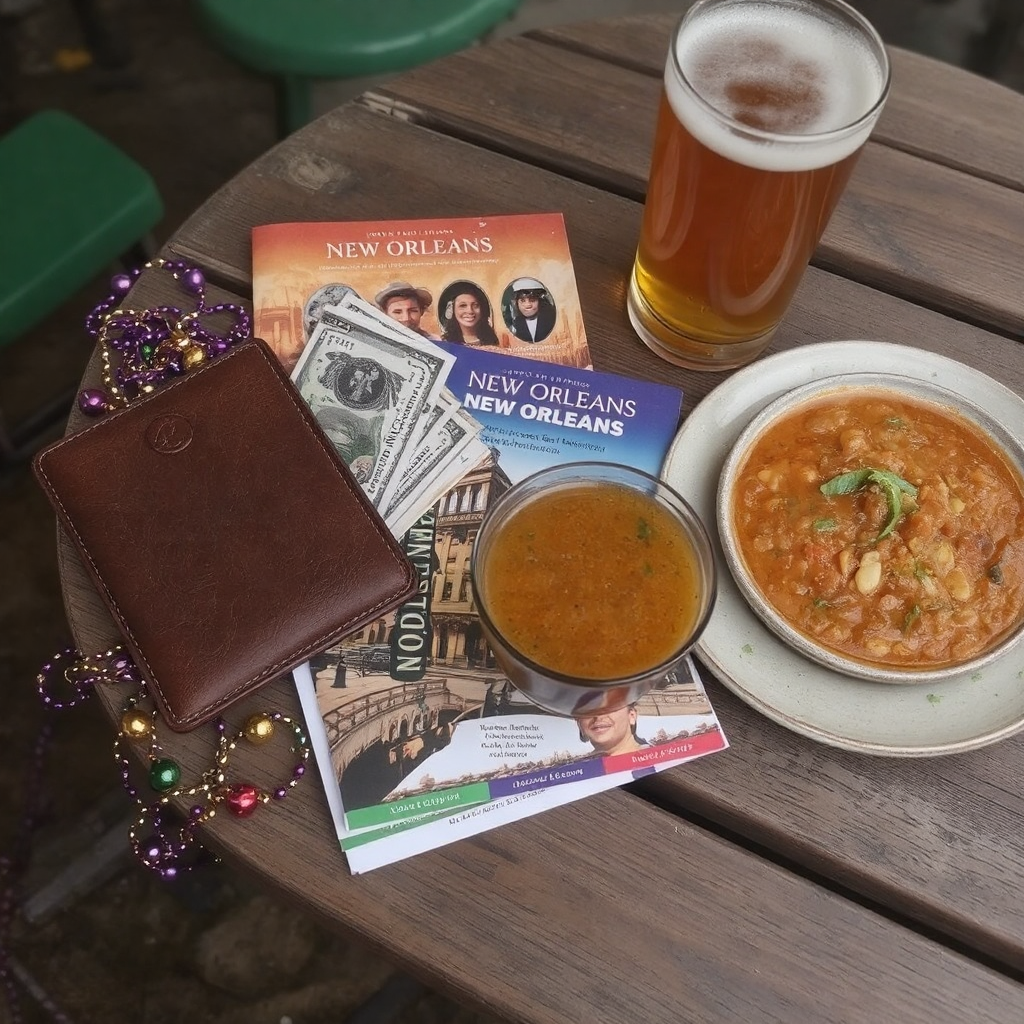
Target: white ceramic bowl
{"points": [[920, 390]]}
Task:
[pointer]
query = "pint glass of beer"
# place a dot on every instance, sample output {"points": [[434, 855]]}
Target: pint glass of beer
{"points": [[765, 107]]}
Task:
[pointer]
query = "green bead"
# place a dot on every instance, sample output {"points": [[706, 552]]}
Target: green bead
{"points": [[164, 775], [147, 352]]}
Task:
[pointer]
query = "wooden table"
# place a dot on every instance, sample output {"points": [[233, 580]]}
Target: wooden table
{"points": [[782, 880]]}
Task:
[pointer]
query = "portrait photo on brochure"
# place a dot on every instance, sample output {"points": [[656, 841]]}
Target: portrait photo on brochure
{"points": [[528, 309]]}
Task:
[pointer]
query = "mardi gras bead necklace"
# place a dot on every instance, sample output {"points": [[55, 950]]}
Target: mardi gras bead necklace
{"points": [[164, 848], [141, 349]]}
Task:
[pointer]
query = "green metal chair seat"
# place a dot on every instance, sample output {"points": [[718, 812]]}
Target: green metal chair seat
{"points": [[298, 40], [73, 204]]}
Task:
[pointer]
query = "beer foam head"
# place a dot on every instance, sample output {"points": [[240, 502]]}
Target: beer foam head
{"points": [[790, 84]]}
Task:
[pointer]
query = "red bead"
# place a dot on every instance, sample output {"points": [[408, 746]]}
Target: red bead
{"points": [[242, 800]]}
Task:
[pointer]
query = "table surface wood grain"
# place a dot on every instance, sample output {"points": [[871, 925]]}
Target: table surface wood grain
{"points": [[781, 880]]}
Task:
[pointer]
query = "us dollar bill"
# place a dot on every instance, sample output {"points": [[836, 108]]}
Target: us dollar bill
{"points": [[352, 306], [402, 517], [368, 391], [443, 453], [441, 447]]}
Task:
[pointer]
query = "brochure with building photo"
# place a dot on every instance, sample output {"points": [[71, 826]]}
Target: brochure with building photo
{"points": [[419, 723], [670, 726], [504, 282]]}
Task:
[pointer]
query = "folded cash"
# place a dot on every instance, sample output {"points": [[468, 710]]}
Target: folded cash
{"points": [[378, 391]]}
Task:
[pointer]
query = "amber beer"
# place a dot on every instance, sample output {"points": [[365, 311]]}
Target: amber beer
{"points": [[765, 107]]}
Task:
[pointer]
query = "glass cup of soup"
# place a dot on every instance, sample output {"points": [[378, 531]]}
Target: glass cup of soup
{"points": [[765, 107], [592, 581]]}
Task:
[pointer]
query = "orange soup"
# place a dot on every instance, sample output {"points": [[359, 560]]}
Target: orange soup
{"points": [[595, 581], [890, 530]]}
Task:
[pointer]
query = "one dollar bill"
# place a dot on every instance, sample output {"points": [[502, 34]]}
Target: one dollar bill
{"points": [[368, 391]]}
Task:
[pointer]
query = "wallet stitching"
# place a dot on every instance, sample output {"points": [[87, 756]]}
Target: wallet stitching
{"points": [[276, 668]]}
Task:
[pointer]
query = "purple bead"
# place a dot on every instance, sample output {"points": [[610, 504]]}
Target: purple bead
{"points": [[280, 793], [300, 770], [92, 402], [121, 284], [193, 281]]}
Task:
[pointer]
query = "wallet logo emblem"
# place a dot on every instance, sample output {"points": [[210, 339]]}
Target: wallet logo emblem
{"points": [[169, 434]]}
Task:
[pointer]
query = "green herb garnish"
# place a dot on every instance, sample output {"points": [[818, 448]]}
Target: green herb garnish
{"points": [[824, 525], [845, 483], [891, 485], [995, 573], [911, 617], [643, 529]]}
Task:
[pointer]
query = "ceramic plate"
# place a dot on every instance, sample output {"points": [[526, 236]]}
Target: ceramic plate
{"points": [[878, 383], [956, 714]]}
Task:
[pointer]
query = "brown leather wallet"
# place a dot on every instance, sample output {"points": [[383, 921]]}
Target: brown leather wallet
{"points": [[226, 536]]}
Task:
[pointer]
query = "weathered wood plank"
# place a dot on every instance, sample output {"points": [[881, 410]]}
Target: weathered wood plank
{"points": [[336, 174], [918, 229], [936, 111], [936, 839]]}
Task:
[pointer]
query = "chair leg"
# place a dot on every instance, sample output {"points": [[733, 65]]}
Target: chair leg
{"points": [[991, 49], [294, 104], [389, 1002], [139, 254], [21, 441], [7, 446], [70, 859], [107, 856], [109, 51]]}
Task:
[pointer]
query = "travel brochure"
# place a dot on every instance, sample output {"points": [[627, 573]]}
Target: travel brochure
{"points": [[419, 736], [510, 763], [516, 270]]}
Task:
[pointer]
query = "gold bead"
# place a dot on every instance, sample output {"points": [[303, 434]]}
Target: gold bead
{"points": [[136, 725], [259, 728], [192, 357]]}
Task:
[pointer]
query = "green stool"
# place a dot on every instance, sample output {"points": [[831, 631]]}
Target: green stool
{"points": [[73, 204], [297, 41]]}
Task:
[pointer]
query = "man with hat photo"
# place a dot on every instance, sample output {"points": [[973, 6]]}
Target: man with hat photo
{"points": [[532, 313], [406, 304]]}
